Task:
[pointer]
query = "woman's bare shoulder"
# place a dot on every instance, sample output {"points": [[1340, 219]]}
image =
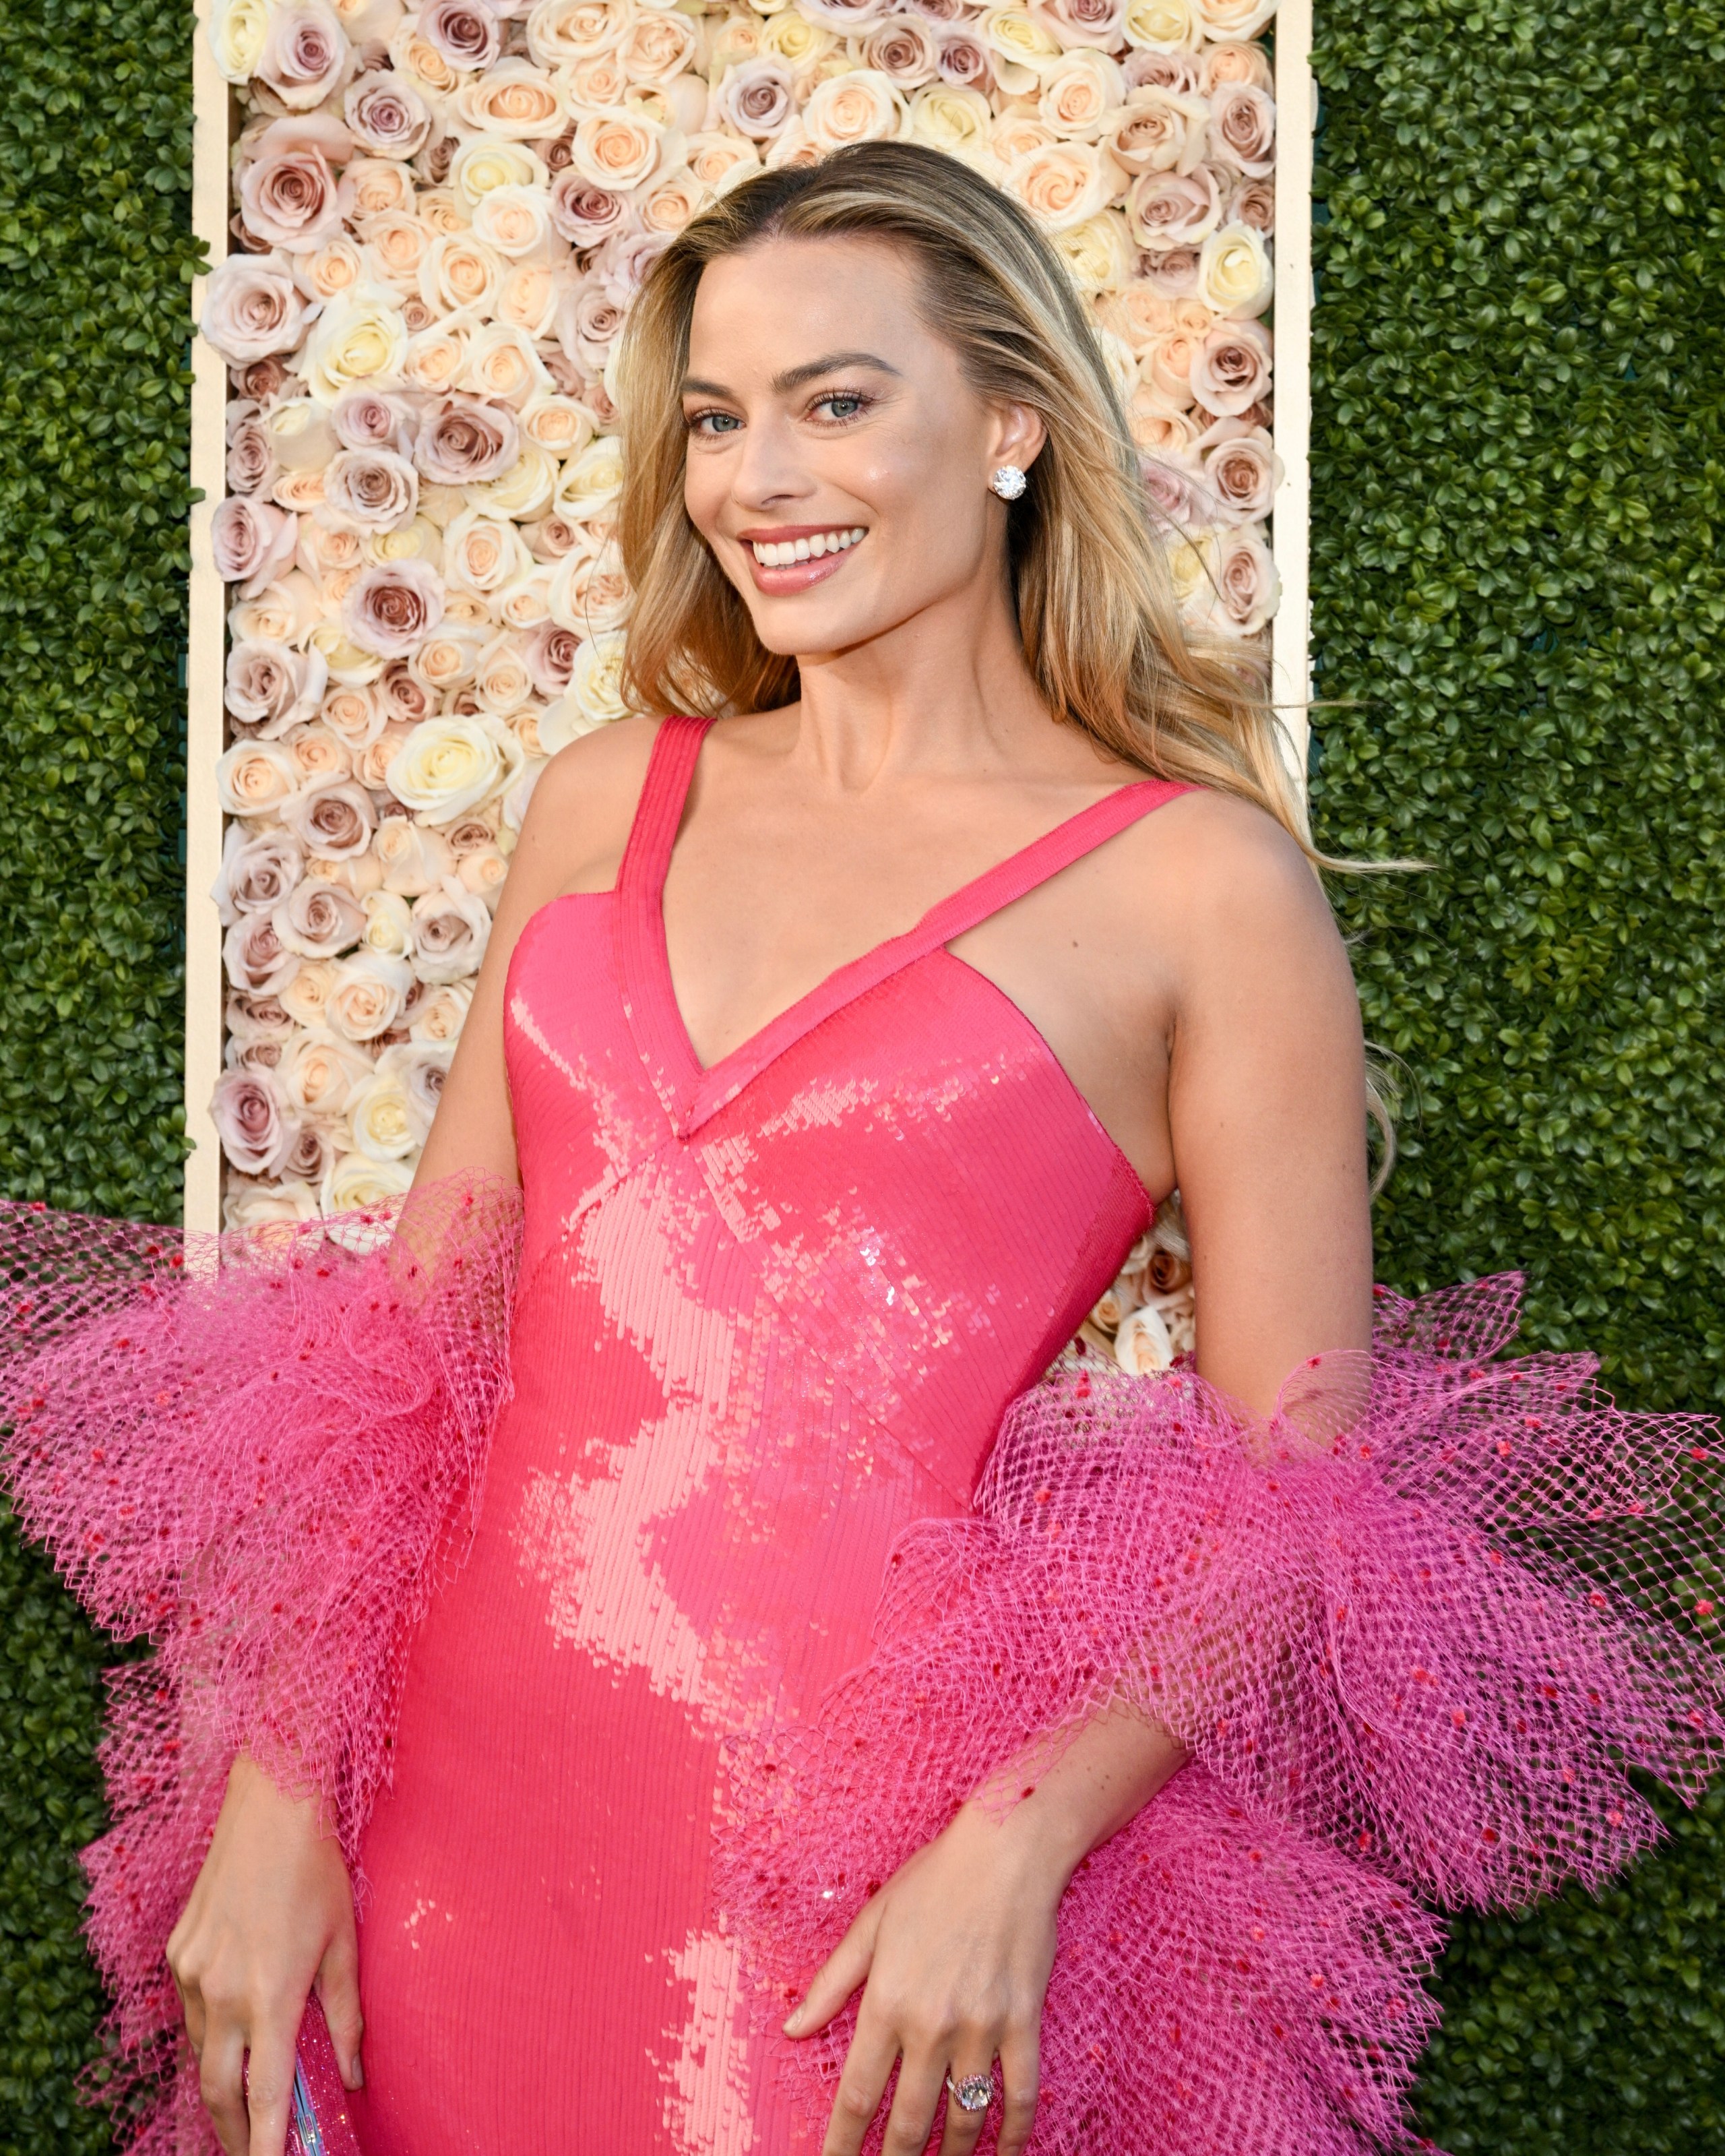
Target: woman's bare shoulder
{"points": [[577, 822]]}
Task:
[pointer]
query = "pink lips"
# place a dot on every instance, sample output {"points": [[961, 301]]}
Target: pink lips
{"points": [[780, 582]]}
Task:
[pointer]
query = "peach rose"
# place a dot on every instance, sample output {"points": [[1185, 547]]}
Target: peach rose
{"points": [[288, 197], [513, 99], [1063, 184], [441, 1016], [1233, 60], [319, 1074], [1235, 20], [861, 106], [414, 858], [482, 552], [589, 591], [1160, 131], [306, 56], [563, 425], [252, 307], [657, 46], [366, 995], [459, 274], [501, 364], [1080, 95], [617, 150], [561, 32], [354, 715], [435, 357], [394, 251]]}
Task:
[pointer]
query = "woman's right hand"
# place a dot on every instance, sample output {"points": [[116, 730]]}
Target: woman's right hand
{"points": [[271, 1915]]}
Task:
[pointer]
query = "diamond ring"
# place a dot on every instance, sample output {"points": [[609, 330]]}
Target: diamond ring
{"points": [[975, 2092]]}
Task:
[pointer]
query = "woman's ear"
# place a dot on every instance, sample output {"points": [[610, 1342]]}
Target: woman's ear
{"points": [[1018, 435]]}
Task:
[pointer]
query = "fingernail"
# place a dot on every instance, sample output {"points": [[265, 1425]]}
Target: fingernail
{"points": [[791, 2020]]}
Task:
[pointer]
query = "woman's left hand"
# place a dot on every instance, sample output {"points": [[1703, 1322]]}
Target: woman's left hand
{"points": [[954, 1953]]}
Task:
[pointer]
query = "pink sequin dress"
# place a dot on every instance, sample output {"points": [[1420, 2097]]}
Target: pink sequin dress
{"points": [[643, 1565], [769, 1315]]}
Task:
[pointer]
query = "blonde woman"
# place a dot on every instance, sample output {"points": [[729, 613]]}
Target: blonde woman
{"points": [[844, 1034]]}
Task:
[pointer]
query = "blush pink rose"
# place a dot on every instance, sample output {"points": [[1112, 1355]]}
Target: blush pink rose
{"points": [[288, 197], [1230, 369], [306, 55], [273, 688], [370, 489], [388, 116], [586, 215], [463, 440], [588, 322], [250, 1112], [368, 419], [758, 96], [1253, 203], [319, 919], [963, 58], [550, 656], [256, 957], [1178, 71], [1100, 24], [251, 461], [1173, 209], [252, 541], [394, 605], [1242, 471], [257, 872], [467, 32], [1242, 129], [334, 821], [252, 307], [1172, 274]]}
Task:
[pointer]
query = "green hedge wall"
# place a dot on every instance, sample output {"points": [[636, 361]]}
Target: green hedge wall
{"points": [[1520, 621]]}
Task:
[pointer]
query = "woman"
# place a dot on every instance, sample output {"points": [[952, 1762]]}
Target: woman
{"points": [[841, 1050]]}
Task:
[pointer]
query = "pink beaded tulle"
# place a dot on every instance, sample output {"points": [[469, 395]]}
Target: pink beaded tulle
{"points": [[253, 1450], [1412, 1654]]}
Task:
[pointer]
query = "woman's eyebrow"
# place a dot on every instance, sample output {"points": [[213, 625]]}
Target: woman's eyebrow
{"points": [[793, 378]]}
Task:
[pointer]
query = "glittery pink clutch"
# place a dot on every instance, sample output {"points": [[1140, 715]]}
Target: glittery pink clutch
{"points": [[321, 2124]]}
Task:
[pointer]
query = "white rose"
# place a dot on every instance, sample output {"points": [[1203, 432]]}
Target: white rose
{"points": [[321, 1071], [1142, 1345], [247, 1206], [956, 120], [379, 1117], [356, 1183], [1164, 26], [237, 32], [446, 766], [590, 486], [253, 308], [596, 680], [485, 161]]}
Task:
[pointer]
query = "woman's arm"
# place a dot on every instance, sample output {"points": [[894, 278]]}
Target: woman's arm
{"points": [[271, 1912], [1247, 976]]}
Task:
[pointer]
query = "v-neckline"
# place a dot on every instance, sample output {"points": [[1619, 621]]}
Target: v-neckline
{"points": [[690, 1091]]}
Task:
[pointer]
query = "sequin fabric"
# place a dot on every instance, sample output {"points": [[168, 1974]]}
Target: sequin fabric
{"points": [[769, 1315]]}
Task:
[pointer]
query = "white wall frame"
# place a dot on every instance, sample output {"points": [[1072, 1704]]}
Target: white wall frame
{"points": [[212, 135]]}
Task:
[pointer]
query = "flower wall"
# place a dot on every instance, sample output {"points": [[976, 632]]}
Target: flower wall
{"points": [[439, 220]]}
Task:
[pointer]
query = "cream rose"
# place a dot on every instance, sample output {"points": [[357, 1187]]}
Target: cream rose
{"points": [[596, 679], [657, 47], [1023, 49], [441, 1016], [561, 32], [515, 221], [482, 553], [248, 1206], [389, 920], [1164, 26], [365, 996], [446, 661], [446, 767], [861, 106], [359, 337], [501, 680], [320, 1073], [252, 307], [1099, 253], [1234, 278], [954, 120], [357, 1185], [378, 1116], [237, 32], [490, 161], [590, 486], [589, 591], [414, 858], [1080, 96]]}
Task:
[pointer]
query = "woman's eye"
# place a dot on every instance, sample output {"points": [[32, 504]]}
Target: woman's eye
{"points": [[714, 423], [841, 404]]}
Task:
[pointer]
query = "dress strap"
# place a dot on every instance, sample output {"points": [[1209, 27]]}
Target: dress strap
{"points": [[658, 813], [1034, 864]]}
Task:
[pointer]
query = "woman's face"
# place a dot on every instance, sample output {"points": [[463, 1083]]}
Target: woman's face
{"points": [[839, 462]]}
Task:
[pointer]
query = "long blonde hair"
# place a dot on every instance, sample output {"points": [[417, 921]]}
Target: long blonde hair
{"points": [[1102, 633]]}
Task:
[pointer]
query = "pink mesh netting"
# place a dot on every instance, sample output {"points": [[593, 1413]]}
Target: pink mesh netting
{"points": [[1412, 1632], [258, 1450]]}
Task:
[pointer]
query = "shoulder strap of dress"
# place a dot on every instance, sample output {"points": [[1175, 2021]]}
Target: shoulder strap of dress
{"points": [[658, 813], [1043, 858]]}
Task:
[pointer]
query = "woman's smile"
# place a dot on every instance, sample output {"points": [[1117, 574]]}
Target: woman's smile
{"points": [[789, 557]]}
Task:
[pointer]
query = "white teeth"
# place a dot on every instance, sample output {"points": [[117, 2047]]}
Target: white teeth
{"points": [[780, 553]]}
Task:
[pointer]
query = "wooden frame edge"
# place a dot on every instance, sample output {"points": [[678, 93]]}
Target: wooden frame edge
{"points": [[211, 124], [1291, 631]]}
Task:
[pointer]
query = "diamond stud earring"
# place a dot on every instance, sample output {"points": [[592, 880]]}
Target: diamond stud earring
{"points": [[1008, 482]]}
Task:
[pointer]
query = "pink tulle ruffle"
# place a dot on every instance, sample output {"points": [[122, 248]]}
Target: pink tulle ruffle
{"points": [[256, 1451], [1412, 1633]]}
